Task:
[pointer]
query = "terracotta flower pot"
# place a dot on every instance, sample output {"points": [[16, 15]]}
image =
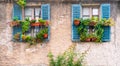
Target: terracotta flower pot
{"points": [[36, 24], [92, 23], [88, 39], [76, 22], [45, 36], [93, 39], [38, 40], [14, 24]]}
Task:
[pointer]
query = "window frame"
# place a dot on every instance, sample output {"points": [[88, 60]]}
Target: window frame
{"points": [[33, 12], [91, 10]]}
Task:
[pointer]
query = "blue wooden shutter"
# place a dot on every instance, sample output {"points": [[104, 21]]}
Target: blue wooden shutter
{"points": [[105, 13], [75, 14], [17, 12], [45, 14]]}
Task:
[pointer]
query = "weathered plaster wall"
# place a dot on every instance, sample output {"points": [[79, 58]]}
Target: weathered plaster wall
{"points": [[102, 54], [2, 16]]}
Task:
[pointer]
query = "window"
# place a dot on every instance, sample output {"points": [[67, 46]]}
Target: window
{"points": [[33, 13], [89, 12]]}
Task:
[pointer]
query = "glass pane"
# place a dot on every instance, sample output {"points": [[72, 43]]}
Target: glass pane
{"points": [[95, 11], [86, 11], [28, 11], [37, 11]]}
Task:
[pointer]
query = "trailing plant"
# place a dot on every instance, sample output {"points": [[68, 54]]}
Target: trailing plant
{"points": [[93, 21], [25, 26], [68, 58], [26, 38], [99, 32], [21, 3], [85, 35], [108, 22], [41, 34], [86, 21]]}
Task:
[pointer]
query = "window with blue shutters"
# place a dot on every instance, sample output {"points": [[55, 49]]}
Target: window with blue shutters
{"points": [[100, 11], [42, 11]]}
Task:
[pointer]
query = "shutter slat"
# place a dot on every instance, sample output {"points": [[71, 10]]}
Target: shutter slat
{"points": [[75, 14], [45, 14], [105, 8]]}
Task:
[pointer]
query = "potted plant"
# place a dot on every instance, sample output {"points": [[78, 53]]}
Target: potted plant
{"points": [[15, 22], [108, 22], [34, 23], [76, 22], [86, 22], [46, 23], [94, 21], [42, 34], [41, 21], [24, 37], [88, 38], [25, 26], [17, 36]]}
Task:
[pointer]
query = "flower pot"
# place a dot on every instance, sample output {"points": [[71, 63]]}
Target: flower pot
{"points": [[88, 39], [92, 23], [76, 22], [14, 23], [45, 36], [93, 39], [36, 24], [38, 40]]}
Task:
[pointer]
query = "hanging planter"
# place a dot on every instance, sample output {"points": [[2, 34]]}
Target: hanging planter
{"points": [[45, 36], [36, 24], [76, 22], [15, 22]]}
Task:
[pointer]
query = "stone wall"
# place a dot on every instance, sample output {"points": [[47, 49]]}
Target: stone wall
{"points": [[99, 54], [2, 16]]}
